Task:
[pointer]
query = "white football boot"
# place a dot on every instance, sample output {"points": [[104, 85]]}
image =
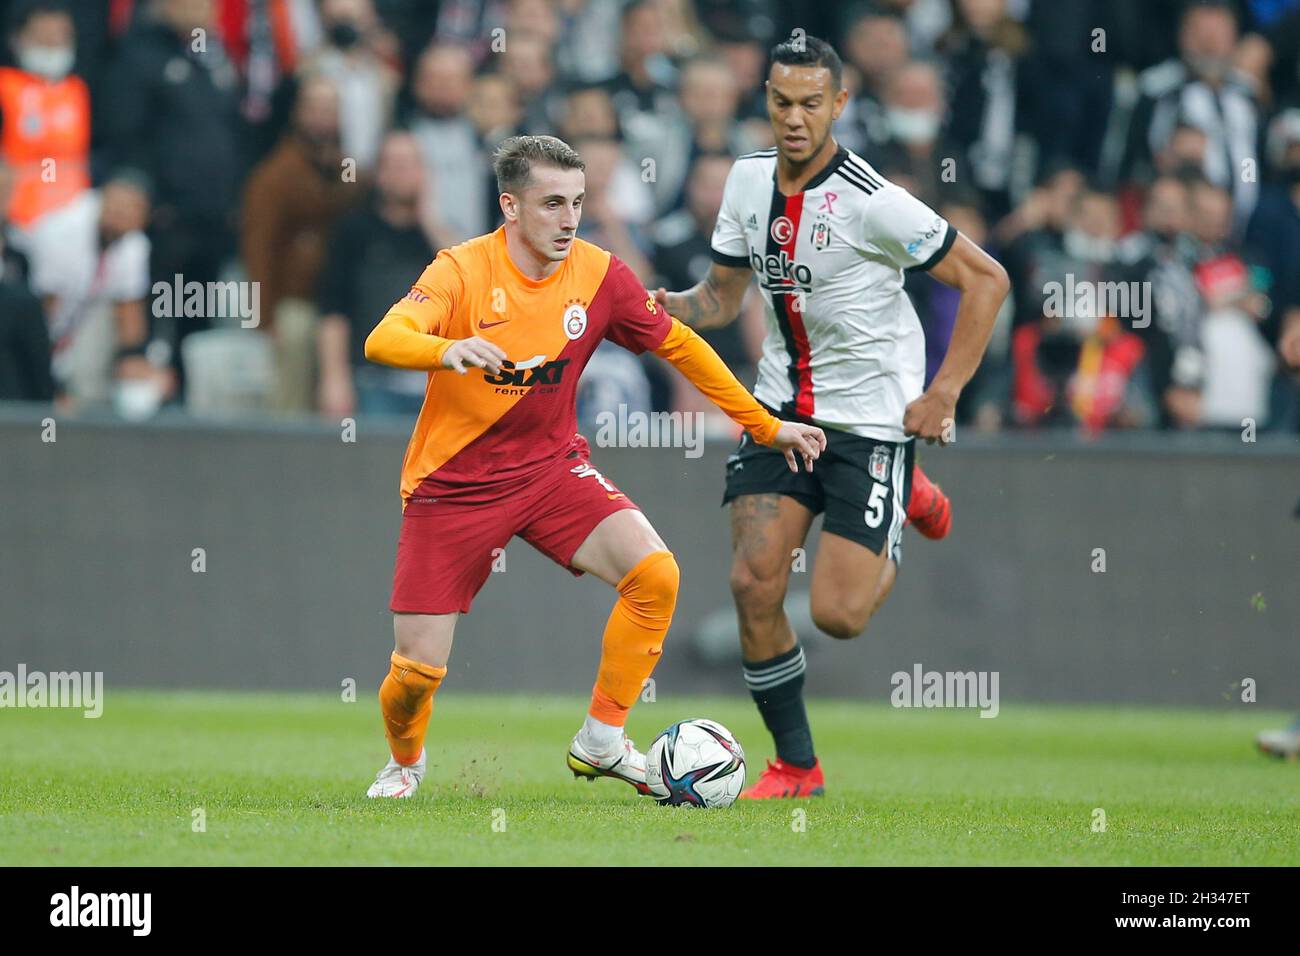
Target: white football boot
{"points": [[624, 763], [398, 781]]}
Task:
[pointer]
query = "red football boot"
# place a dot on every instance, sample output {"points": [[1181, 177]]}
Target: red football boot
{"points": [[783, 780], [929, 509]]}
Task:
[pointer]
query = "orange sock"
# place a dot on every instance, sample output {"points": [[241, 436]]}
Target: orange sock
{"points": [[634, 636], [406, 699]]}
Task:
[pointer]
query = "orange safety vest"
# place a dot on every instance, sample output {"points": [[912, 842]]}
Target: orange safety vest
{"points": [[44, 121]]}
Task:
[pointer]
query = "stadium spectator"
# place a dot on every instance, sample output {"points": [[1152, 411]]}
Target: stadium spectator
{"points": [[1075, 359], [746, 58], [171, 110], [13, 263], [449, 143], [1237, 360], [682, 256], [1274, 230], [537, 18], [527, 60], [583, 52], [984, 50], [875, 47], [494, 110], [1200, 88], [709, 99], [353, 57], [684, 35], [1160, 256], [90, 266], [1064, 73], [44, 115], [291, 203], [588, 113], [913, 153], [618, 206], [262, 38], [372, 255], [642, 89], [24, 339], [193, 111], [1274, 237]]}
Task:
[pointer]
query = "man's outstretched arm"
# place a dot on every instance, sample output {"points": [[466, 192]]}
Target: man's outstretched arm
{"points": [[695, 359], [713, 302]]}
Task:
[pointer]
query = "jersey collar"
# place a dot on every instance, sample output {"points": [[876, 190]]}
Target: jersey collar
{"points": [[836, 161]]}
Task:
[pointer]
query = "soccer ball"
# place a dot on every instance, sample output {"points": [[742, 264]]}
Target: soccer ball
{"points": [[695, 763]]}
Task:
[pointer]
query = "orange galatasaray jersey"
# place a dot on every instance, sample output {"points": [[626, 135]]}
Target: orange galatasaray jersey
{"points": [[478, 436]]}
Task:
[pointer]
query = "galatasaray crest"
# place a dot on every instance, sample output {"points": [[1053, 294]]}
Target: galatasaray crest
{"points": [[575, 321]]}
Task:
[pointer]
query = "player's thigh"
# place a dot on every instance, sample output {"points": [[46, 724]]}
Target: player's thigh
{"points": [[771, 508], [579, 519], [426, 638], [617, 545], [866, 483], [846, 582], [765, 531], [445, 552]]}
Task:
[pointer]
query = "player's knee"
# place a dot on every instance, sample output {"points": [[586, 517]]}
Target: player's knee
{"points": [[841, 622], [754, 592], [655, 585]]}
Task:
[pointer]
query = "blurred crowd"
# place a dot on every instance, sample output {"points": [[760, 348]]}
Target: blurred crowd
{"points": [[210, 203]]}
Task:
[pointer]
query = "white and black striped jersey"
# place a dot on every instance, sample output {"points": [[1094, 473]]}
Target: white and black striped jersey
{"points": [[844, 346]]}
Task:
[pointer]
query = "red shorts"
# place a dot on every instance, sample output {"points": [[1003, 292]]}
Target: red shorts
{"points": [[446, 549]]}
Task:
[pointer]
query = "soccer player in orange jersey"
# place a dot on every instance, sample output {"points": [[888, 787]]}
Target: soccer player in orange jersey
{"points": [[504, 325]]}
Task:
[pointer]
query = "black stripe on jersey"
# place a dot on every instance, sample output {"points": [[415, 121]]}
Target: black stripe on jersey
{"points": [[853, 179], [758, 154], [948, 239], [773, 249], [837, 162], [722, 259], [863, 171], [831, 167]]}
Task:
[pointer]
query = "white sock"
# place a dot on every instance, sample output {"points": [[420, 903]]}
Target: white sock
{"points": [[599, 737]]}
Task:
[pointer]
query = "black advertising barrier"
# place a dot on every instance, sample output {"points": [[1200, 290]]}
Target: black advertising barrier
{"points": [[1143, 568]]}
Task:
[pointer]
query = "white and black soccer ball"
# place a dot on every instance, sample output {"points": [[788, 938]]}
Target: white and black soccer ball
{"points": [[695, 763]]}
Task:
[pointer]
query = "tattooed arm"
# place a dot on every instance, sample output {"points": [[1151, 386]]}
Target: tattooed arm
{"points": [[711, 303]]}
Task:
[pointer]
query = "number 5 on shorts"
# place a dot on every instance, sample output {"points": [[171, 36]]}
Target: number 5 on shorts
{"points": [[875, 512]]}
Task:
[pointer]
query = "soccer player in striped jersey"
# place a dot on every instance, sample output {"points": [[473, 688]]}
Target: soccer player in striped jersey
{"points": [[829, 239], [504, 324]]}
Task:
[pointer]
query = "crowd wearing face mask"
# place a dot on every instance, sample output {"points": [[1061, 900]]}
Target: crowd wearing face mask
{"points": [[1136, 167]]}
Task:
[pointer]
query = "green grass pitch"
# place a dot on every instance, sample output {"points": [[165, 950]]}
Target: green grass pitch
{"points": [[280, 779]]}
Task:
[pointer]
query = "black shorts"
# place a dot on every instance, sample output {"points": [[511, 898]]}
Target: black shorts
{"points": [[861, 484]]}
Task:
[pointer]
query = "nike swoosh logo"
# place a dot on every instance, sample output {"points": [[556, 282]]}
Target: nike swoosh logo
{"points": [[489, 325]]}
